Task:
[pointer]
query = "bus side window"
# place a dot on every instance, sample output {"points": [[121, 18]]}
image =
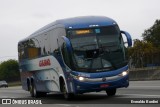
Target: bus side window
{"points": [[23, 50], [20, 51]]}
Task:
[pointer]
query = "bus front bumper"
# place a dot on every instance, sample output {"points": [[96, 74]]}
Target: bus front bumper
{"points": [[83, 87]]}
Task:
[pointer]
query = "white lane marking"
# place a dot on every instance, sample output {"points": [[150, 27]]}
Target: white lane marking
{"points": [[17, 87], [141, 95], [66, 105], [145, 95], [6, 97], [145, 86], [12, 91]]}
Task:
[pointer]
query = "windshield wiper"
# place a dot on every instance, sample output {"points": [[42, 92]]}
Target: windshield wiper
{"points": [[88, 45], [83, 47]]}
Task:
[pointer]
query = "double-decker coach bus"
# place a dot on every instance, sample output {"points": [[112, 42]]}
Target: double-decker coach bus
{"points": [[74, 56]]}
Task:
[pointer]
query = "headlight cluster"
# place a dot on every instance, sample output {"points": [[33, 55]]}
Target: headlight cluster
{"points": [[124, 73], [80, 78]]}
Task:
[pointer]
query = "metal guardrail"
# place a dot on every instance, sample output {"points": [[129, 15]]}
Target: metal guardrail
{"points": [[145, 68], [146, 73]]}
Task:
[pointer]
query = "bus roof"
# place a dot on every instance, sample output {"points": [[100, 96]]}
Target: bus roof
{"points": [[86, 21], [78, 22]]}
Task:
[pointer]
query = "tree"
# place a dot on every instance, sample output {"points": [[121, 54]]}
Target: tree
{"points": [[9, 70], [153, 34], [143, 53], [146, 52]]}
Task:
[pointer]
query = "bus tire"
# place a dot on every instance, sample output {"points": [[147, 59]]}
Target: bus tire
{"points": [[32, 89], [67, 96], [42, 94], [34, 92], [28, 85], [111, 92]]}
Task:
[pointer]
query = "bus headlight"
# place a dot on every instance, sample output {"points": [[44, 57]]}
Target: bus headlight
{"points": [[124, 73], [81, 78]]}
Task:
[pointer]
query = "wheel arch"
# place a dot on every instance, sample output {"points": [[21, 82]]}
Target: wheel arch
{"points": [[62, 80]]}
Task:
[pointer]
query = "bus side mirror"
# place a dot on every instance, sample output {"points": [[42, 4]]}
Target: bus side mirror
{"points": [[128, 36], [68, 44]]}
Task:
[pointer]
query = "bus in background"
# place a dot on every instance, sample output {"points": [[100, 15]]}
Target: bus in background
{"points": [[74, 56]]}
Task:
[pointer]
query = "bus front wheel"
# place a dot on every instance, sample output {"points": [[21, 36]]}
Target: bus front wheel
{"points": [[67, 96], [111, 92]]}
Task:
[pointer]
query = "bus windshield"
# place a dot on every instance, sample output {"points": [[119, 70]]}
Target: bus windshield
{"points": [[97, 49]]}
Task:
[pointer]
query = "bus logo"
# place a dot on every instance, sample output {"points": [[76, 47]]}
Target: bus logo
{"points": [[104, 79], [45, 62]]}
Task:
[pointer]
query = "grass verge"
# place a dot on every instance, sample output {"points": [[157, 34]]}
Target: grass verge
{"points": [[15, 83]]}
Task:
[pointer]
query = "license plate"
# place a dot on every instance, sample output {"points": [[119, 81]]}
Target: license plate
{"points": [[104, 85]]}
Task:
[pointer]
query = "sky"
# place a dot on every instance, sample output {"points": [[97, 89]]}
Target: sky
{"points": [[20, 18]]}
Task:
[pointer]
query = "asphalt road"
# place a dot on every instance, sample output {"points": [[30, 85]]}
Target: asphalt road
{"points": [[138, 90]]}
